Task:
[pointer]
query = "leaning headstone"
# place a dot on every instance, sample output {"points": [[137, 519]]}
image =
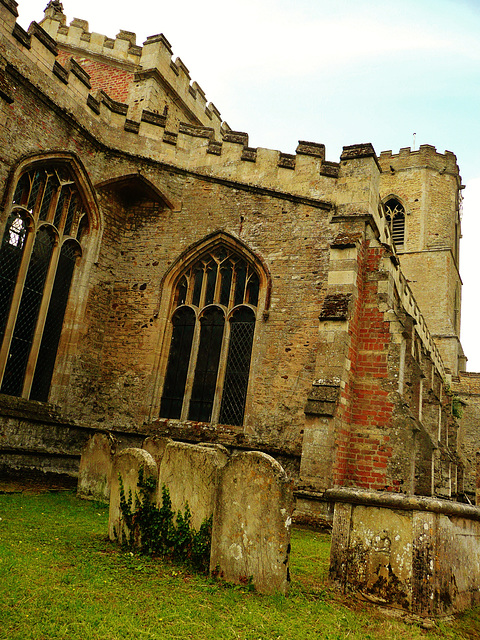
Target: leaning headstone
{"points": [[125, 472], [251, 523], [156, 446], [190, 472], [95, 469]]}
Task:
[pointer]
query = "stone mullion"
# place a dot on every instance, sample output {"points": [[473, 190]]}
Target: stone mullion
{"points": [[16, 298], [191, 367], [42, 314], [222, 367]]}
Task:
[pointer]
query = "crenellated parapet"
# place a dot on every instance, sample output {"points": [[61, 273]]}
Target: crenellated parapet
{"points": [[135, 124], [143, 122], [425, 157], [155, 78]]}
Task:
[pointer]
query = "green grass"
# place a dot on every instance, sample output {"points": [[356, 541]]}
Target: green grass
{"points": [[61, 578]]}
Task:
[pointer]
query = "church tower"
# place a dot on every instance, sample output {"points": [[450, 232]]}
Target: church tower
{"points": [[421, 197]]}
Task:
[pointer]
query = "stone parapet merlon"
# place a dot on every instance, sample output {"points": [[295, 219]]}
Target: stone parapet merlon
{"points": [[425, 157], [209, 147], [154, 58]]}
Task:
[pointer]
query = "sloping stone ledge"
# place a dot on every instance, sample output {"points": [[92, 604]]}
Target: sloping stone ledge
{"points": [[402, 501]]}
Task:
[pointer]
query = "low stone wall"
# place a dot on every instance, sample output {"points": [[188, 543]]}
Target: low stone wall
{"points": [[36, 438], [419, 554]]}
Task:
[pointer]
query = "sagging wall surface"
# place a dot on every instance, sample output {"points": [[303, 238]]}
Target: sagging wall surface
{"points": [[344, 373]]}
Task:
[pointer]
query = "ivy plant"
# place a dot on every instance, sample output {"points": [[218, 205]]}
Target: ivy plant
{"points": [[159, 531]]}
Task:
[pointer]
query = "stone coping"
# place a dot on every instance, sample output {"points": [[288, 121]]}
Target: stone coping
{"points": [[401, 501]]}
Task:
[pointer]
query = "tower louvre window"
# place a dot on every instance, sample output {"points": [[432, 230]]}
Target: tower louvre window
{"points": [[395, 217], [37, 263], [212, 328]]}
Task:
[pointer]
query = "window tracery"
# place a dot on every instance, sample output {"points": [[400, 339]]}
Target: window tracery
{"points": [[395, 217], [38, 255], [213, 319]]}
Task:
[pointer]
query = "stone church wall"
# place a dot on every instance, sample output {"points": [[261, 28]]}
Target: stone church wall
{"points": [[346, 384]]}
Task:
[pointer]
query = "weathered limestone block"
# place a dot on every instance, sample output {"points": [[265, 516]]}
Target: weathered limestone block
{"points": [[477, 479], [191, 474], [95, 471], [251, 523], [156, 447], [127, 465], [322, 399], [420, 554]]}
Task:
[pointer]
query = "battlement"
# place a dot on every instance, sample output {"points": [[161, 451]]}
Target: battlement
{"points": [[410, 306], [140, 124], [425, 157], [148, 66], [207, 145]]}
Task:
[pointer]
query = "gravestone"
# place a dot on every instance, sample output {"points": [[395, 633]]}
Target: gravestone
{"points": [[156, 447], [251, 523], [127, 465], [95, 470], [190, 472]]}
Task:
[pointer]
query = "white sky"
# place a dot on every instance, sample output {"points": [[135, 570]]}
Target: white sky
{"points": [[338, 72]]}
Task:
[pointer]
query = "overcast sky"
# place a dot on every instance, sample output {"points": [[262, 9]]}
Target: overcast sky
{"points": [[339, 72]]}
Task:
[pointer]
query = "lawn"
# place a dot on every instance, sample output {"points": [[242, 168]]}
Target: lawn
{"points": [[60, 577]]}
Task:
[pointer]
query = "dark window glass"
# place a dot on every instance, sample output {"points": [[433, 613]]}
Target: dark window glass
{"points": [[50, 195], [200, 286], [50, 188], [60, 206], [11, 253], [242, 327], [178, 361], [28, 313], [240, 283], [252, 290], [72, 207], [211, 280], [226, 284], [205, 381], [197, 287], [54, 322], [37, 181], [395, 217], [21, 191], [181, 292]]}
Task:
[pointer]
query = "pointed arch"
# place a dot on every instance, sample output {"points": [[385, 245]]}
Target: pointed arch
{"points": [[395, 219], [77, 171], [52, 226], [210, 243], [204, 363], [136, 185]]}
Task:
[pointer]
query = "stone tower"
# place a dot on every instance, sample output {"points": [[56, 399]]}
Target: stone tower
{"points": [[421, 194]]}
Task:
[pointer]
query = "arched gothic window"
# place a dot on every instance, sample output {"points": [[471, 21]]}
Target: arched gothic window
{"points": [[212, 326], [40, 248], [395, 217]]}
